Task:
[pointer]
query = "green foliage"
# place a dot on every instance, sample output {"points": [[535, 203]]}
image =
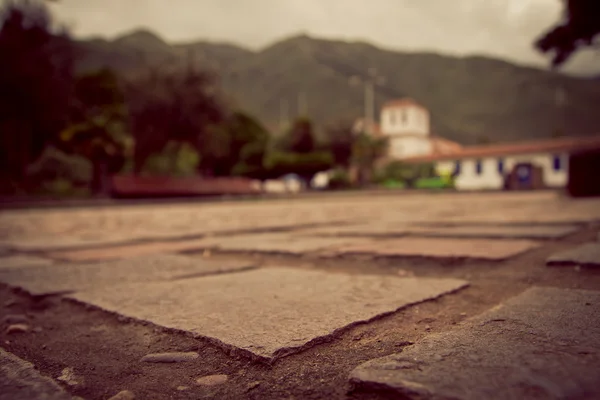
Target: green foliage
{"points": [[176, 104], [176, 159], [432, 183], [340, 141], [300, 138], [578, 27], [236, 147], [305, 165], [339, 179], [35, 84], [55, 165]]}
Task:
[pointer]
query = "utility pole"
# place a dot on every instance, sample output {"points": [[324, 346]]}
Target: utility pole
{"points": [[369, 106], [372, 80]]}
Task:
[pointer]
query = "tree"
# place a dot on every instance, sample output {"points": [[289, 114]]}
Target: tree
{"points": [[365, 153], [300, 138], [341, 139], [35, 85], [235, 147], [172, 105], [98, 127], [580, 26]]}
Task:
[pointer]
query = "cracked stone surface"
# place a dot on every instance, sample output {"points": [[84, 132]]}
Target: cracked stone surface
{"points": [[130, 250], [441, 248], [544, 343], [73, 277], [23, 261], [19, 380], [277, 243], [587, 254], [368, 229], [514, 232], [270, 312]]}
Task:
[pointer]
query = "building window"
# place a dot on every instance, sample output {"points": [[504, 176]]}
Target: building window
{"points": [[478, 167], [557, 163], [457, 168], [404, 116], [392, 118], [500, 166]]}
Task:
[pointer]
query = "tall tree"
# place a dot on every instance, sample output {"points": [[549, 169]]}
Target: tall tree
{"points": [[301, 137], [35, 84], [365, 153], [341, 138], [239, 144], [578, 28], [98, 128], [175, 106]]}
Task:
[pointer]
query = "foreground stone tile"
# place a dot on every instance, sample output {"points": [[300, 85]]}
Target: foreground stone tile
{"points": [[277, 243], [23, 261], [58, 242], [267, 313], [128, 251], [441, 248], [544, 343], [587, 254], [72, 277], [374, 229], [513, 232], [19, 380]]}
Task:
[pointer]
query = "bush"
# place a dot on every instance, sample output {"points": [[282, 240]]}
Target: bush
{"points": [[339, 180]]}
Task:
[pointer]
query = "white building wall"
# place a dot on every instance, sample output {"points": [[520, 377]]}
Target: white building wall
{"points": [[404, 119], [409, 146], [491, 178], [552, 178]]}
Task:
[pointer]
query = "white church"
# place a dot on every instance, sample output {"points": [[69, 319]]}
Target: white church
{"points": [[406, 124], [529, 165]]}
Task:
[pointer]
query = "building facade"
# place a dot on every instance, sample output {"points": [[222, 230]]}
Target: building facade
{"points": [[528, 165], [406, 124]]}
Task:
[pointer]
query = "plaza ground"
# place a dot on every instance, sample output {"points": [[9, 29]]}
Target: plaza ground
{"points": [[101, 325]]}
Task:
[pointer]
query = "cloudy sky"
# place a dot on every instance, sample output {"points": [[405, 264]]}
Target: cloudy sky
{"points": [[503, 28]]}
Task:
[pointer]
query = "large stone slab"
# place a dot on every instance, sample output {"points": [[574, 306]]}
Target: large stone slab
{"points": [[128, 251], [542, 344], [372, 229], [19, 380], [277, 243], [587, 254], [441, 248], [270, 312], [63, 242], [73, 277], [22, 261], [482, 231]]}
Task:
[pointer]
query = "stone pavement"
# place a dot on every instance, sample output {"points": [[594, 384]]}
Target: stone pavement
{"points": [[543, 343], [587, 254], [185, 267], [64, 278], [268, 312], [19, 380], [440, 248]]}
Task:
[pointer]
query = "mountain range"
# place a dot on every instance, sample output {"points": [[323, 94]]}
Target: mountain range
{"points": [[471, 99]]}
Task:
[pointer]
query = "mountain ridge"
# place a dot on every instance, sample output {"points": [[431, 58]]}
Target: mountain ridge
{"points": [[472, 98]]}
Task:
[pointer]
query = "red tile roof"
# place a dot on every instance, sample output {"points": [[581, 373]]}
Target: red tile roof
{"points": [[540, 146]]}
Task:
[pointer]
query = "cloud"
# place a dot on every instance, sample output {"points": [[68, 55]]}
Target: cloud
{"points": [[502, 28]]}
